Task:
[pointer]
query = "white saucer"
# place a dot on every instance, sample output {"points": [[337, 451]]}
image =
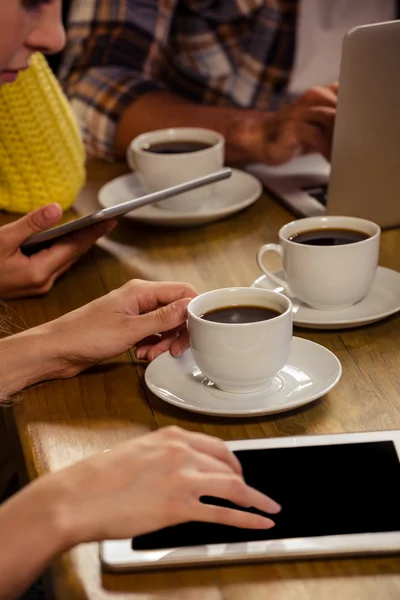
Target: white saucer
{"points": [[230, 196], [311, 372], [382, 301]]}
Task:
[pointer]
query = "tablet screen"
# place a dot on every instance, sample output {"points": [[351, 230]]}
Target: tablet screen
{"points": [[323, 490]]}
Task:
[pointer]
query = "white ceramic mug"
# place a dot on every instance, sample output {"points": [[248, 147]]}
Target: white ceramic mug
{"points": [[326, 277], [158, 171], [240, 357]]}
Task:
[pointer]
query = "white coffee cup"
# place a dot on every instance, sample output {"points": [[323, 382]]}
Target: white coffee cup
{"points": [[240, 357], [326, 277], [158, 171]]}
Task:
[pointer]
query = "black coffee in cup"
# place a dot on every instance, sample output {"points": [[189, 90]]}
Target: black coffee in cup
{"points": [[240, 314], [176, 147], [329, 237]]}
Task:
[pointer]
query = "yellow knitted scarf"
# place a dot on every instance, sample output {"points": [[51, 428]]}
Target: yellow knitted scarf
{"points": [[41, 153]]}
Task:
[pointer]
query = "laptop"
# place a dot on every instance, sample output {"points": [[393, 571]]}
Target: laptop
{"points": [[363, 179]]}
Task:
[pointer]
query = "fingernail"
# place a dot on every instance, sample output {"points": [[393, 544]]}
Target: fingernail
{"points": [[275, 508], [139, 353], [267, 524], [52, 211]]}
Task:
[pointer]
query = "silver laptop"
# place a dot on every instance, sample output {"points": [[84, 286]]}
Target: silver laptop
{"points": [[364, 178]]}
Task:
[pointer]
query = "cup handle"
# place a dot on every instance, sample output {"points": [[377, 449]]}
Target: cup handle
{"points": [[271, 248]]}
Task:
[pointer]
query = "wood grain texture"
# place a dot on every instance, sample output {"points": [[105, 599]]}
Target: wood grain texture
{"points": [[7, 462], [61, 422]]}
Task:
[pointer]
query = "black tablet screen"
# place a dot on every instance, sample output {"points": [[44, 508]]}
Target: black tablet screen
{"points": [[323, 490]]}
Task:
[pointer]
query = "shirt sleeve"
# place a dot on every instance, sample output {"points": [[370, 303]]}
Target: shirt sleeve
{"points": [[113, 55]]}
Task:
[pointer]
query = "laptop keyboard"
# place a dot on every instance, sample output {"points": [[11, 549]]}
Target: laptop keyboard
{"points": [[319, 192]]}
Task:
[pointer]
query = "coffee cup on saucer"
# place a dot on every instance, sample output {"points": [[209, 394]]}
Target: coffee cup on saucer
{"points": [[167, 157], [240, 337], [329, 262]]}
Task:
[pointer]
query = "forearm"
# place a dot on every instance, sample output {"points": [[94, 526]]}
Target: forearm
{"points": [[25, 359], [32, 532], [159, 110]]}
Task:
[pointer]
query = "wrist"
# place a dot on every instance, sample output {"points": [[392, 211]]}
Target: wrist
{"points": [[72, 513], [55, 512], [246, 136], [34, 523], [31, 357]]}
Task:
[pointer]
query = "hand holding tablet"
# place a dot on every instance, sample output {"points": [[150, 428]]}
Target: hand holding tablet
{"points": [[42, 240]]}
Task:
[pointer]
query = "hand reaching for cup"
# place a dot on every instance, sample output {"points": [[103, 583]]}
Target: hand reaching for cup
{"points": [[148, 315]]}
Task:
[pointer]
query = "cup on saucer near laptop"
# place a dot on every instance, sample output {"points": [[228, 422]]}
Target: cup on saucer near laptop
{"points": [[329, 262], [170, 156], [240, 337]]}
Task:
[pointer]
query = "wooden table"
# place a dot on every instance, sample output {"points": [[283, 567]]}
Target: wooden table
{"points": [[63, 421]]}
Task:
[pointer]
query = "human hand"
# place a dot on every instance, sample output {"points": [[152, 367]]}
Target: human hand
{"points": [[304, 126], [149, 315], [35, 275], [152, 482]]}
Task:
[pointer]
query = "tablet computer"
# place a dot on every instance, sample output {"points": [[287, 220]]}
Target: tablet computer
{"points": [[45, 238], [340, 496]]}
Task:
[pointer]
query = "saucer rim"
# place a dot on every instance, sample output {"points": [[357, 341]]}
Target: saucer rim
{"points": [[335, 323], [255, 413], [171, 217]]}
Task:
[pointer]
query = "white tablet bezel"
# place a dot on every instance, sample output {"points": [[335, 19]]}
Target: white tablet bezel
{"points": [[118, 555], [123, 208]]}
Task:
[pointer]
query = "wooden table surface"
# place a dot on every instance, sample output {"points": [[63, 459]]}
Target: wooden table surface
{"points": [[61, 422]]}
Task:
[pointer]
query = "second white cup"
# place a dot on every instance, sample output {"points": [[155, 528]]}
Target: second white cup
{"points": [[240, 357], [326, 277], [160, 161]]}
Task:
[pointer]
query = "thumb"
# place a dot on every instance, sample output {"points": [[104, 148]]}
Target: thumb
{"points": [[14, 234], [334, 86], [162, 319]]}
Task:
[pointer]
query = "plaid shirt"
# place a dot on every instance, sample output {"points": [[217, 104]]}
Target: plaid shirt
{"points": [[230, 52]]}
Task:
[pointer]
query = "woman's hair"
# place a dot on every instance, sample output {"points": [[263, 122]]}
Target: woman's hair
{"points": [[10, 321]]}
